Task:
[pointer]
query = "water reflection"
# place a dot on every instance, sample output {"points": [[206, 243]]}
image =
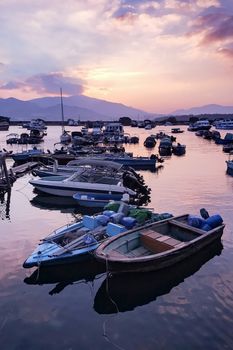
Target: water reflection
{"points": [[119, 293], [63, 204], [64, 275], [5, 197]]}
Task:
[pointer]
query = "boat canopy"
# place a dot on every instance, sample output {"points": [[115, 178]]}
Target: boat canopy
{"points": [[95, 162]]}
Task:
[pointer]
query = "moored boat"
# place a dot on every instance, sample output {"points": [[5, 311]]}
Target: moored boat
{"points": [[229, 163], [76, 242], [178, 149], [98, 177], [176, 131], [159, 245], [199, 125], [27, 155], [95, 200], [224, 124]]}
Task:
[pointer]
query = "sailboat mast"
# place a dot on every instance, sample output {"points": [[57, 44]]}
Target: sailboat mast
{"points": [[62, 112]]}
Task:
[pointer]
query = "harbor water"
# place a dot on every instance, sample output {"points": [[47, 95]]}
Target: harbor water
{"points": [[79, 306]]}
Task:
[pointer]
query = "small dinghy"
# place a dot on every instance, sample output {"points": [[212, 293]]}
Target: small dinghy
{"points": [[159, 245]]}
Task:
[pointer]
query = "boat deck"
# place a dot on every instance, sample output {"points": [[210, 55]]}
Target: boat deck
{"points": [[175, 234]]}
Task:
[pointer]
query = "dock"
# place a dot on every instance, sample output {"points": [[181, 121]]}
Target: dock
{"points": [[5, 180], [23, 168], [8, 177]]}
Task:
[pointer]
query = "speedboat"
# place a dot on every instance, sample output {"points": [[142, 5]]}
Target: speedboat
{"points": [[76, 242], [101, 177]]}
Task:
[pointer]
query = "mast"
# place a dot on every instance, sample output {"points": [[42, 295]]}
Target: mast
{"points": [[62, 113]]}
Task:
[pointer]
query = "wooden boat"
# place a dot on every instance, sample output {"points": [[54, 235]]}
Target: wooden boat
{"points": [[155, 246]]}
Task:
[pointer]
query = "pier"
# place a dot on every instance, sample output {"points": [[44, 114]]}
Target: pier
{"points": [[7, 177]]}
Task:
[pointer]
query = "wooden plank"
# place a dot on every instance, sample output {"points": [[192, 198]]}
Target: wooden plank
{"points": [[20, 169], [154, 245], [151, 233]]}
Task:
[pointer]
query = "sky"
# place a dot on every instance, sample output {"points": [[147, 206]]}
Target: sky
{"points": [[158, 56]]}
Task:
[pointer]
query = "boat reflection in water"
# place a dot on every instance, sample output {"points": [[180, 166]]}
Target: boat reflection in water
{"points": [[120, 293], [65, 205], [65, 275], [124, 292]]}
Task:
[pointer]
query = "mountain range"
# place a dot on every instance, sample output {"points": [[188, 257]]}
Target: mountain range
{"points": [[87, 108], [75, 107], [207, 109]]}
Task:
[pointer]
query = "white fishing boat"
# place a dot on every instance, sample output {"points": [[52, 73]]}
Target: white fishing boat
{"points": [[199, 125], [224, 124], [99, 177]]}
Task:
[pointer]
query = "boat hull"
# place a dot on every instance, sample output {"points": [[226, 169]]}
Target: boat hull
{"points": [[161, 262], [120, 263]]}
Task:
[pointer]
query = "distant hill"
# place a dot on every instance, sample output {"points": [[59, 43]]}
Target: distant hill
{"points": [[76, 107], [87, 108], [206, 109]]}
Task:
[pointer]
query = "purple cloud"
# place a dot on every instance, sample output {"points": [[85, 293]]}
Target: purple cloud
{"points": [[48, 83], [226, 51]]}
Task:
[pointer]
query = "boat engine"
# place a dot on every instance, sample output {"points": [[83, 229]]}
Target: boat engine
{"points": [[136, 183]]}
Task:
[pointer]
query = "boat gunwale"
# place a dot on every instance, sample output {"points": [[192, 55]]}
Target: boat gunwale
{"points": [[203, 236]]}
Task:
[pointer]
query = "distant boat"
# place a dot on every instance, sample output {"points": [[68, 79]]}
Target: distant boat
{"points": [[224, 124], [176, 131], [36, 124], [199, 125], [228, 138], [230, 164], [165, 146], [27, 155], [150, 142], [158, 245], [178, 149], [4, 124], [12, 138]]}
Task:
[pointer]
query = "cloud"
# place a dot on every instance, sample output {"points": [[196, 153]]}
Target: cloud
{"points": [[215, 27], [227, 51], [48, 83]]}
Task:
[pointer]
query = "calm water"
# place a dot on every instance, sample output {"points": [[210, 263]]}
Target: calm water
{"points": [[189, 306]]}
